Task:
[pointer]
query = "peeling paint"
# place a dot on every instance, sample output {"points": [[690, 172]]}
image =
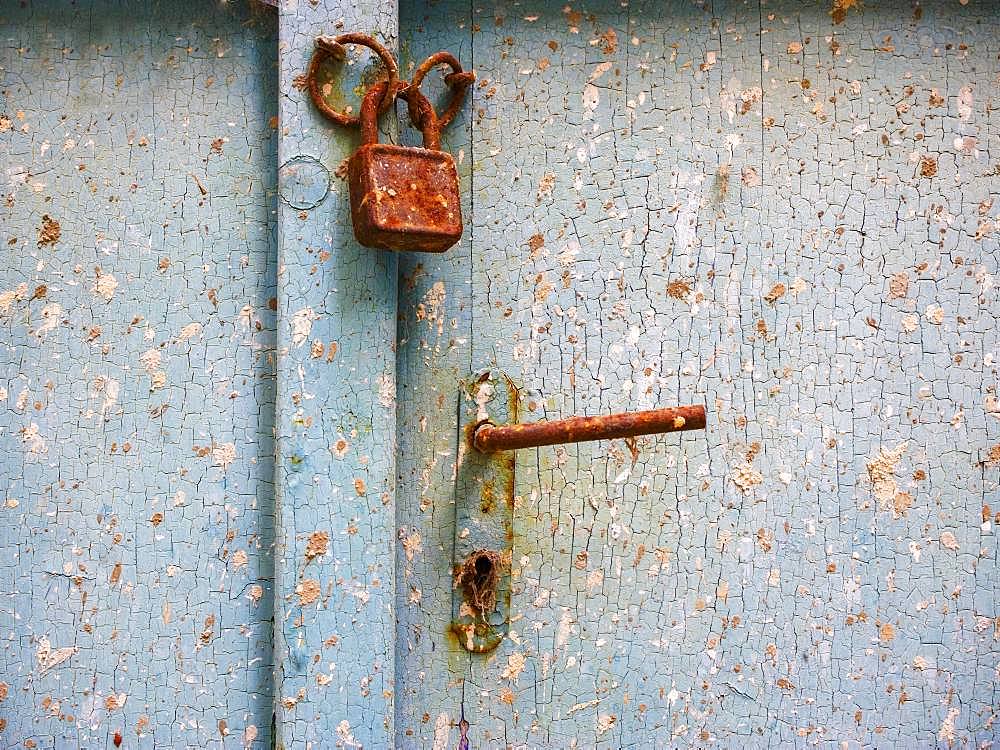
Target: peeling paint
{"points": [[140, 615]]}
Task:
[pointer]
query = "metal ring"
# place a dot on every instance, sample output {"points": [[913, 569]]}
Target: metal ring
{"points": [[327, 47], [458, 81]]}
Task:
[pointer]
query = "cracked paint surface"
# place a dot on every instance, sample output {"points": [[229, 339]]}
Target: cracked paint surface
{"points": [[786, 211], [335, 417], [137, 372]]}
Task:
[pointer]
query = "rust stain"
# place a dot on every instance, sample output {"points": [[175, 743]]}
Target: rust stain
{"points": [[318, 544], [839, 10], [49, 232], [776, 293], [678, 289], [478, 577]]}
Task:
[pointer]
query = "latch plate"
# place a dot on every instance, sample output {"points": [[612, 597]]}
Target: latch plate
{"points": [[484, 517]]}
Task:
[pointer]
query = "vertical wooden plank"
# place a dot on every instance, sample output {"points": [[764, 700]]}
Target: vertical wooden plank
{"points": [[334, 615], [434, 356], [137, 258]]}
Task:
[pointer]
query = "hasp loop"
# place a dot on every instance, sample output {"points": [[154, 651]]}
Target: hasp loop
{"points": [[414, 98], [327, 47], [421, 111], [458, 81]]}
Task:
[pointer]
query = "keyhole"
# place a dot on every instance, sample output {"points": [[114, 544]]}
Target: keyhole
{"points": [[479, 577], [483, 566]]}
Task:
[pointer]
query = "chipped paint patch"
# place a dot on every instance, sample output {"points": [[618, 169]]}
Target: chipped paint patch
{"points": [[442, 731], [105, 285], [515, 665], [746, 477], [48, 658], [223, 454], [190, 331], [49, 232], [308, 591], [318, 544], [301, 323], [51, 317], [882, 472]]}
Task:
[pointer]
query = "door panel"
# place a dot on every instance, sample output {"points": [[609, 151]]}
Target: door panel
{"points": [[137, 373], [785, 213]]}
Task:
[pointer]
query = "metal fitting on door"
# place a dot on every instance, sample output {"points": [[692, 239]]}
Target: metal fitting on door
{"points": [[489, 405], [489, 437]]}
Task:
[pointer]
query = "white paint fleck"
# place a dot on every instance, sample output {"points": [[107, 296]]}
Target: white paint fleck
{"points": [[105, 286], [442, 730], [223, 454], [387, 390], [966, 100], [106, 389], [51, 314], [302, 322], [345, 734]]}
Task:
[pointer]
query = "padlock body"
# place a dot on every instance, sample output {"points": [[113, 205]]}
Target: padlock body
{"points": [[404, 198]]}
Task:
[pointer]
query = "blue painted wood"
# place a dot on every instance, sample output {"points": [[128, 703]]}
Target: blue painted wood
{"points": [[136, 373], [334, 617], [787, 211]]}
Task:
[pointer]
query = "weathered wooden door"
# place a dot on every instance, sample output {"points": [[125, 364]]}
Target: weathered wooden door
{"points": [[234, 445], [784, 211]]}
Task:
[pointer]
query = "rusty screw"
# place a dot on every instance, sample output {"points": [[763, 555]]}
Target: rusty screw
{"points": [[489, 437]]}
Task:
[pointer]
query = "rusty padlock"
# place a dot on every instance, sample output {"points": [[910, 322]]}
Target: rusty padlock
{"points": [[403, 198]]}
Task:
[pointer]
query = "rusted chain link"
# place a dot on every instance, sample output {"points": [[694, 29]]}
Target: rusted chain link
{"points": [[457, 80]]}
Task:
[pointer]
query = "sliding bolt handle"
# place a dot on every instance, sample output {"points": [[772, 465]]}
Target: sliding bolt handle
{"points": [[489, 437]]}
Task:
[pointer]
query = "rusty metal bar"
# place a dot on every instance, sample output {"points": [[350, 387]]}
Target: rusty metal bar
{"points": [[489, 437]]}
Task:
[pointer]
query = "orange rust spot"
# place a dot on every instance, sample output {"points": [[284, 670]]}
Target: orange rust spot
{"points": [[49, 232]]}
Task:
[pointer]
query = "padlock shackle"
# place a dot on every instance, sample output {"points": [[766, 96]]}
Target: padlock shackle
{"points": [[428, 120]]}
